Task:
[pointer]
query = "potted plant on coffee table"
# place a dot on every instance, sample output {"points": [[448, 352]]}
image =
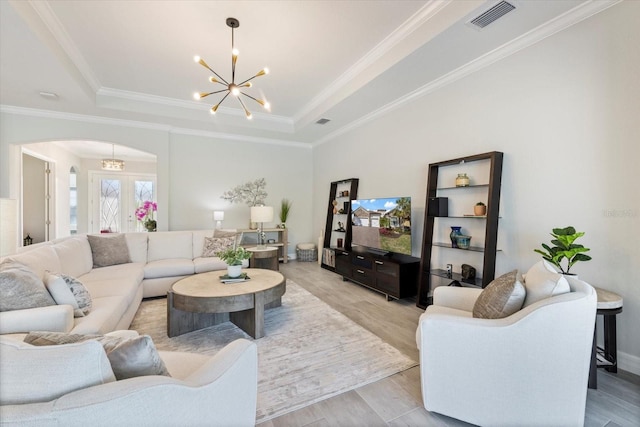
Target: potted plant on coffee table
{"points": [[564, 248], [234, 257]]}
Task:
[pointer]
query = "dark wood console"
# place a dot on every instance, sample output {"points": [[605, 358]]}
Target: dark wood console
{"points": [[394, 275]]}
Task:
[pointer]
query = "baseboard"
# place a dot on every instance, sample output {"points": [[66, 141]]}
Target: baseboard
{"points": [[629, 363]]}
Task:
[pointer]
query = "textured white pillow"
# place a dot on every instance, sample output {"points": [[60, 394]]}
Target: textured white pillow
{"points": [[214, 245], [130, 355], [40, 374], [542, 281], [68, 290], [61, 293]]}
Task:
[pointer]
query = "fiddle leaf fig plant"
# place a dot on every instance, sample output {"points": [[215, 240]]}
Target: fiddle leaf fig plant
{"points": [[564, 248]]}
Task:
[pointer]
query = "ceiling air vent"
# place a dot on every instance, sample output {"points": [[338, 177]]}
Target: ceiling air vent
{"points": [[491, 15], [323, 121]]}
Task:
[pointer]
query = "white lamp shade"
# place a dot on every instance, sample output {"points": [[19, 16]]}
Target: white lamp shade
{"points": [[8, 226], [218, 215], [261, 213]]}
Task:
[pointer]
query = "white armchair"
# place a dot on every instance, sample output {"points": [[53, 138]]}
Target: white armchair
{"points": [[202, 390], [530, 368]]}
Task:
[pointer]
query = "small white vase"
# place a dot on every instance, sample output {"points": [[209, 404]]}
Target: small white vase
{"points": [[234, 270]]}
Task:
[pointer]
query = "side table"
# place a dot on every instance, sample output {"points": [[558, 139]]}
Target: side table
{"points": [[266, 258], [609, 305]]}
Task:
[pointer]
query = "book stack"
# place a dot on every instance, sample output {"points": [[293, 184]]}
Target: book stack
{"points": [[241, 278]]}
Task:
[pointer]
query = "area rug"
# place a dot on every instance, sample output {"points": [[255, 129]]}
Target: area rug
{"points": [[310, 351]]}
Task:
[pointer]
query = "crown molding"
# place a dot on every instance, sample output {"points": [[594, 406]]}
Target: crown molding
{"points": [[418, 19], [553, 26], [117, 99], [51, 21], [47, 114]]}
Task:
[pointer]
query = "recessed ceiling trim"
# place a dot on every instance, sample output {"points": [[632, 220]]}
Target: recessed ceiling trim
{"points": [[32, 112], [549, 28], [43, 21], [354, 73]]}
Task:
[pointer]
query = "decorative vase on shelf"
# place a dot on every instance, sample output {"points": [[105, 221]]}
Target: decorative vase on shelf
{"points": [[462, 180], [234, 270], [455, 232], [151, 225]]}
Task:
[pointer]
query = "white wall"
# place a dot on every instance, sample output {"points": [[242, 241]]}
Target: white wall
{"points": [[566, 114], [193, 171], [202, 169]]}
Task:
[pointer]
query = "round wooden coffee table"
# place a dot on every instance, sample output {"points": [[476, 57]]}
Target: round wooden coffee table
{"points": [[202, 300]]}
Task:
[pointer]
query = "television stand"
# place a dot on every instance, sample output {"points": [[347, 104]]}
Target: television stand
{"points": [[392, 274]]}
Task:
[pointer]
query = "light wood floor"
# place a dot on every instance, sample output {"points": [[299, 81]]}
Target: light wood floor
{"points": [[397, 400]]}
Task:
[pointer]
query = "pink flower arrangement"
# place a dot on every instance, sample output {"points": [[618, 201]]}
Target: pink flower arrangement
{"points": [[145, 212]]}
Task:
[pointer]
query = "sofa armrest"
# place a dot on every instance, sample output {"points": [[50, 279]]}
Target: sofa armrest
{"points": [[54, 318], [223, 390], [456, 297]]}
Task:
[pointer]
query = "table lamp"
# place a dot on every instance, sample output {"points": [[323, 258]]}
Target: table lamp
{"points": [[218, 217], [261, 214]]}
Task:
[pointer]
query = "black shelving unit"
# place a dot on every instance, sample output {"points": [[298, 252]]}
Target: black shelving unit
{"points": [[332, 233], [489, 249]]}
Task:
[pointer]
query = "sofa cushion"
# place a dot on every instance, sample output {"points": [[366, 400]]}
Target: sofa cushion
{"points": [[115, 280], [75, 256], [168, 268], [137, 243], [21, 288], [39, 259], [198, 241], [170, 245], [542, 281], [501, 298], [109, 250], [67, 290], [129, 356], [214, 245], [36, 374], [106, 313], [205, 264]]}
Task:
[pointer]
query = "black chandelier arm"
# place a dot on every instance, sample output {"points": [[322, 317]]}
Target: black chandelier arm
{"points": [[234, 58], [212, 93], [205, 65], [260, 73], [246, 110], [255, 99]]}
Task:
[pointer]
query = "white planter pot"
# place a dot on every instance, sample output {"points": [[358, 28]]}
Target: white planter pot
{"points": [[234, 270]]}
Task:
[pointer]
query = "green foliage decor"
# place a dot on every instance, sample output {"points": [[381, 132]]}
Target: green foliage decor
{"points": [[564, 248], [234, 256], [285, 208]]}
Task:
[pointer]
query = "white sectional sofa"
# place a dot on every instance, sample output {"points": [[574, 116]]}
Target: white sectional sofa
{"points": [[158, 260]]}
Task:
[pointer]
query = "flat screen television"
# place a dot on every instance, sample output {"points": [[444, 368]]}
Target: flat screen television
{"points": [[382, 225]]}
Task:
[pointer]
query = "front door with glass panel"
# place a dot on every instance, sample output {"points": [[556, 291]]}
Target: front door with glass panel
{"points": [[114, 199]]}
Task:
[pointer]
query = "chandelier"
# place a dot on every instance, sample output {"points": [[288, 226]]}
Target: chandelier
{"points": [[113, 164], [232, 88]]}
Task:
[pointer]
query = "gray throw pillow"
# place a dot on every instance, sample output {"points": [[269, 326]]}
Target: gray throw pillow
{"points": [[21, 288], [109, 250], [129, 357], [501, 298]]}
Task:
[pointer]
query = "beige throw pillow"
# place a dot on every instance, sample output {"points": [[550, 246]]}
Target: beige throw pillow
{"points": [[21, 288], [543, 281], [501, 298], [129, 356], [109, 250], [214, 245]]}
